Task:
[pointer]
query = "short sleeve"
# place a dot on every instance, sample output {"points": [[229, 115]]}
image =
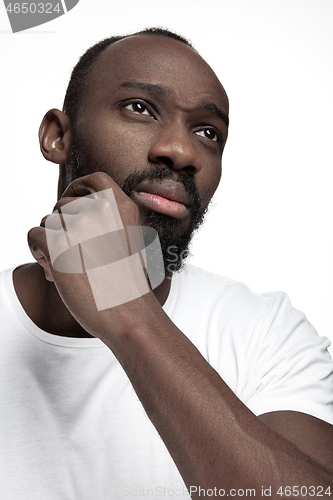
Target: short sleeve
{"points": [[289, 366]]}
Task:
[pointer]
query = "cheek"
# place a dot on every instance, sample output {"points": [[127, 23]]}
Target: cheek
{"points": [[113, 149], [209, 183]]}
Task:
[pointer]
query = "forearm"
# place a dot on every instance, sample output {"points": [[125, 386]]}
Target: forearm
{"points": [[213, 438]]}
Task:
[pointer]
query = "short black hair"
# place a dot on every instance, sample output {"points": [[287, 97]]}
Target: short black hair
{"points": [[79, 74]]}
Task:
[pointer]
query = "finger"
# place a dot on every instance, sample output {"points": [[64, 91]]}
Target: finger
{"points": [[89, 184], [39, 249], [85, 217], [71, 205], [52, 221], [52, 250]]}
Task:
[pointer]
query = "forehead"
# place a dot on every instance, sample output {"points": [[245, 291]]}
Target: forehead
{"points": [[158, 60]]}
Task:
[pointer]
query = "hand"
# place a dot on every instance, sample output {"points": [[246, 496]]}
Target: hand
{"points": [[92, 248]]}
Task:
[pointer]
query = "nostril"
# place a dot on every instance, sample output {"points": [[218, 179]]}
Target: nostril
{"points": [[191, 169], [164, 160]]}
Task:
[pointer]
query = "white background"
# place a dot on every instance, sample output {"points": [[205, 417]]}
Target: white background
{"points": [[271, 226]]}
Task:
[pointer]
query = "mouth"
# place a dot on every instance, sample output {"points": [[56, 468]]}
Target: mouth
{"points": [[165, 197]]}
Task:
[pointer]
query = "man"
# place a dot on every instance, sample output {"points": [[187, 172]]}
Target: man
{"points": [[198, 381]]}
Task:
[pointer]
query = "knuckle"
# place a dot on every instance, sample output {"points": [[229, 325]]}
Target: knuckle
{"points": [[100, 178], [102, 205], [33, 237], [31, 234], [61, 203], [84, 224]]}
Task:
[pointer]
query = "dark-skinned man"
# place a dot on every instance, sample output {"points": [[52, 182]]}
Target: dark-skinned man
{"points": [[197, 381]]}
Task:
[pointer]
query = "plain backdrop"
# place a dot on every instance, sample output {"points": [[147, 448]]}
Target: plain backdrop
{"points": [[271, 224]]}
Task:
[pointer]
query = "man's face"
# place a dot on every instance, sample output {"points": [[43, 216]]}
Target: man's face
{"points": [[154, 117]]}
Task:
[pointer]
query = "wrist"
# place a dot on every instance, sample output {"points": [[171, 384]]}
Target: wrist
{"points": [[117, 325]]}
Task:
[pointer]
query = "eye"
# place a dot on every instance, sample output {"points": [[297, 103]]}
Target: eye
{"points": [[138, 107], [208, 133]]}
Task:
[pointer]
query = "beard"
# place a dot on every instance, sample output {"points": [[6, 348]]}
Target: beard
{"points": [[174, 236]]}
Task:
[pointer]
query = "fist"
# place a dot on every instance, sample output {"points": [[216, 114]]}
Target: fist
{"points": [[93, 247]]}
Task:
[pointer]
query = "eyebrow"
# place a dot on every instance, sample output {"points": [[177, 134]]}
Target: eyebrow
{"points": [[153, 88], [214, 110], [160, 91]]}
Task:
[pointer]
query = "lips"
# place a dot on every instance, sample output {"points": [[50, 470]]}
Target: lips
{"points": [[166, 197]]}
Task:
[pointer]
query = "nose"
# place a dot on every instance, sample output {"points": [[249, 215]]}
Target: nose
{"points": [[174, 148]]}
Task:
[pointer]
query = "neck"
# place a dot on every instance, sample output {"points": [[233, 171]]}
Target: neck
{"points": [[42, 303]]}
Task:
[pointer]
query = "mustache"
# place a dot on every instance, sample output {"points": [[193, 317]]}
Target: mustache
{"points": [[159, 173], [154, 173]]}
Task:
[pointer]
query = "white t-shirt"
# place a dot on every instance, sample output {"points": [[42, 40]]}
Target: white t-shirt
{"points": [[71, 425]]}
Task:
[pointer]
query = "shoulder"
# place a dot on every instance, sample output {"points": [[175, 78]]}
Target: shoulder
{"points": [[264, 349], [220, 291], [259, 321]]}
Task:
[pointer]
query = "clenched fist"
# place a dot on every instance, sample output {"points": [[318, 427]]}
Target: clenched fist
{"points": [[93, 247]]}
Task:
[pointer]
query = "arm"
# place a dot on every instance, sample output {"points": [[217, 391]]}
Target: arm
{"points": [[213, 438], [215, 441]]}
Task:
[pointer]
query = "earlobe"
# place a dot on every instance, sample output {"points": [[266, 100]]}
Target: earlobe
{"points": [[55, 136]]}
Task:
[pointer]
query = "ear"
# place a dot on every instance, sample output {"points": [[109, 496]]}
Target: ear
{"points": [[55, 136]]}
